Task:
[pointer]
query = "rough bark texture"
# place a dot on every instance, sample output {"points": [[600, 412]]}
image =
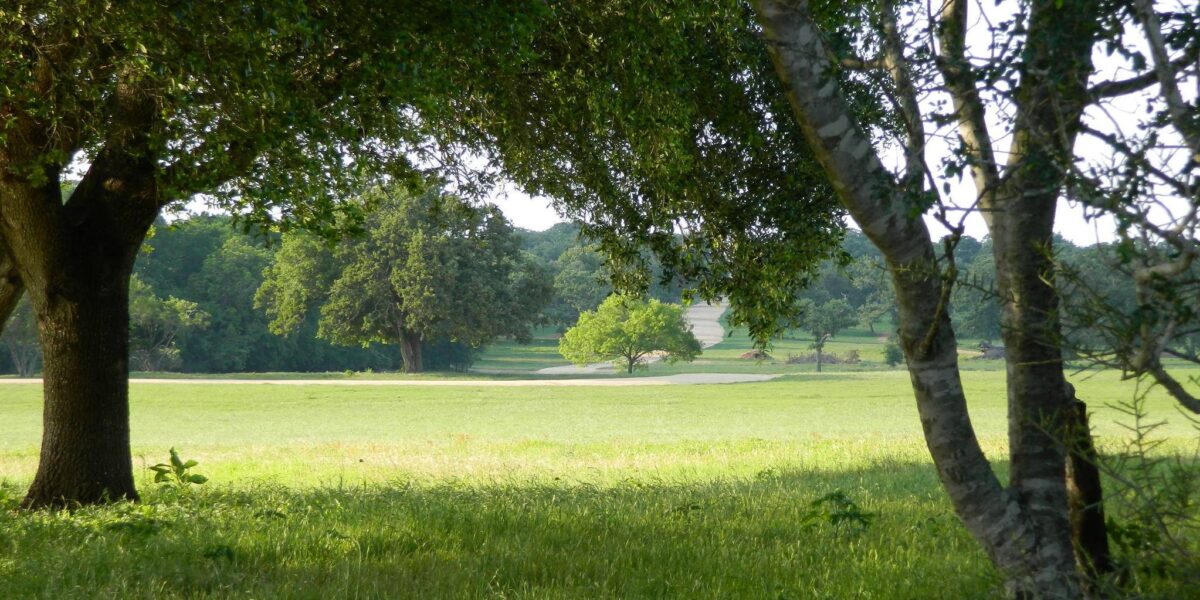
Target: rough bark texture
{"points": [[75, 259], [410, 352], [85, 456], [1086, 500], [1024, 529]]}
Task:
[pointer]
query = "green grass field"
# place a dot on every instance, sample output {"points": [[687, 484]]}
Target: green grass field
{"points": [[557, 492]]}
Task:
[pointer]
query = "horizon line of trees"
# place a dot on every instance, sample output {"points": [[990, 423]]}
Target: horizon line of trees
{"points": [[193, 306]]}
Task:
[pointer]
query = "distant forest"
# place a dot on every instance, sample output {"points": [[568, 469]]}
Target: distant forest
{"points": [[193, 301]]}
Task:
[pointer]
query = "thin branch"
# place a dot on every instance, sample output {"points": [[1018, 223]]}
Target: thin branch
{"points": [[968, 107], [1169, 88]]}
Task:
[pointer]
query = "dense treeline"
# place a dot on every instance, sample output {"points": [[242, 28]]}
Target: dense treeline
{"points": [[193, 301]]}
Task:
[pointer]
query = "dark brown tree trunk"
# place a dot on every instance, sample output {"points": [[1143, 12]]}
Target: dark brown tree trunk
{"points": [[410, 352], [1085, 495], [74, 258], [820, 358], [85, 456]]}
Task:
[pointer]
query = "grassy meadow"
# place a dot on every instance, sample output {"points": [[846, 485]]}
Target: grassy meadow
{"points": [[809, 486]]}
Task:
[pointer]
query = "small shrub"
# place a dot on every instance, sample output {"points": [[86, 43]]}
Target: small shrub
{"points": [[177, 473], [892, 354], [838, 509]]}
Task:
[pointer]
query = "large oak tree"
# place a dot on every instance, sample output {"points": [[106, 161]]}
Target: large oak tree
{"points": [[272, 110], [428, 267]]}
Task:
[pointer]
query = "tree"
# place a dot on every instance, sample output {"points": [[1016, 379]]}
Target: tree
{"points": [[155, 324], [975, 303], [581, 283], [428, 267], [825, 321], [627, 329], [275, 111], [678, 156], [831, 61], [1045, 75]]}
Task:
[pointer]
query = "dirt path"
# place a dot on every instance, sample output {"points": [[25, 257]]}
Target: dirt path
{"points": [[705, 320], [682, 379]]}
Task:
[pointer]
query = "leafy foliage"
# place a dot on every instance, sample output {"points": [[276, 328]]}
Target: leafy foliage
{"points": [[660, 127], [177, 472], [155, 324], [428, 267], [628, 329], [21, 340]]}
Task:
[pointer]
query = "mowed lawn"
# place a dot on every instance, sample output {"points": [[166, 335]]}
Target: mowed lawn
{"points": [[556, 492]]}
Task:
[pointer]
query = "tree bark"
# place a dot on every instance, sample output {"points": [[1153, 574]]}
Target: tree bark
{"points": [[1089, 530], [410, 352], [85, 456], [75, 260], [1020, 528]]}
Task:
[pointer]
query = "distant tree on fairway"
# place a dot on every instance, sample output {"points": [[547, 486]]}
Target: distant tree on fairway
{"points": [[581, 283], [825, 320], [428, 267], [627, 329]]}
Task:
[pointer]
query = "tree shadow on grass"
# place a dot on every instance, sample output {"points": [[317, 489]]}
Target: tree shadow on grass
{"points": [[764, 536]]}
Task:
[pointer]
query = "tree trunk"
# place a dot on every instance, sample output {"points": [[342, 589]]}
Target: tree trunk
{"points": [[1085, 495], [1038, 408], [820, 357], [85, 456], [410, 352], [1020, 528], [74, 258]]}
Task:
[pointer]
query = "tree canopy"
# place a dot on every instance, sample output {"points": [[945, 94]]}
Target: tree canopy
{"points": [[428, 266], [627, 329]]}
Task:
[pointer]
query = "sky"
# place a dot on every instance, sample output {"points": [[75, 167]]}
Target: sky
{"points": [[537, 214]]}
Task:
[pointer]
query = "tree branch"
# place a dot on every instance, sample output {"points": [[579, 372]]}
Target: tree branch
{"points": [[882, 210], [1112, 89], [898, 68], [1176, 107], [972, 117]]}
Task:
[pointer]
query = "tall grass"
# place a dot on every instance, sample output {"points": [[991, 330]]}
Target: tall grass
{"points": [[461, 492]]}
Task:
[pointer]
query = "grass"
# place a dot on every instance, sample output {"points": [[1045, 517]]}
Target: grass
{"points": [[557, 492]]}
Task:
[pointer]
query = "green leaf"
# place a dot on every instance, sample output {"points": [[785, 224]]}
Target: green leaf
{"points": [[197, 479]]}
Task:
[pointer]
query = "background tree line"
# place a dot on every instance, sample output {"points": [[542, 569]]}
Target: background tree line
{"points": [[193, 301]]}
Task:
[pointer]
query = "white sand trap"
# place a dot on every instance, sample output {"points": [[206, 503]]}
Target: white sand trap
{"points": [[705, 320]]}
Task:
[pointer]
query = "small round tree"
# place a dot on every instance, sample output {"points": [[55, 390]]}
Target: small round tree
{"points": [[626, 329]]}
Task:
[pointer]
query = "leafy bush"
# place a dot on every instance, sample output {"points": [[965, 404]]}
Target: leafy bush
{"points": [[177, 473], [892, 354]]}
